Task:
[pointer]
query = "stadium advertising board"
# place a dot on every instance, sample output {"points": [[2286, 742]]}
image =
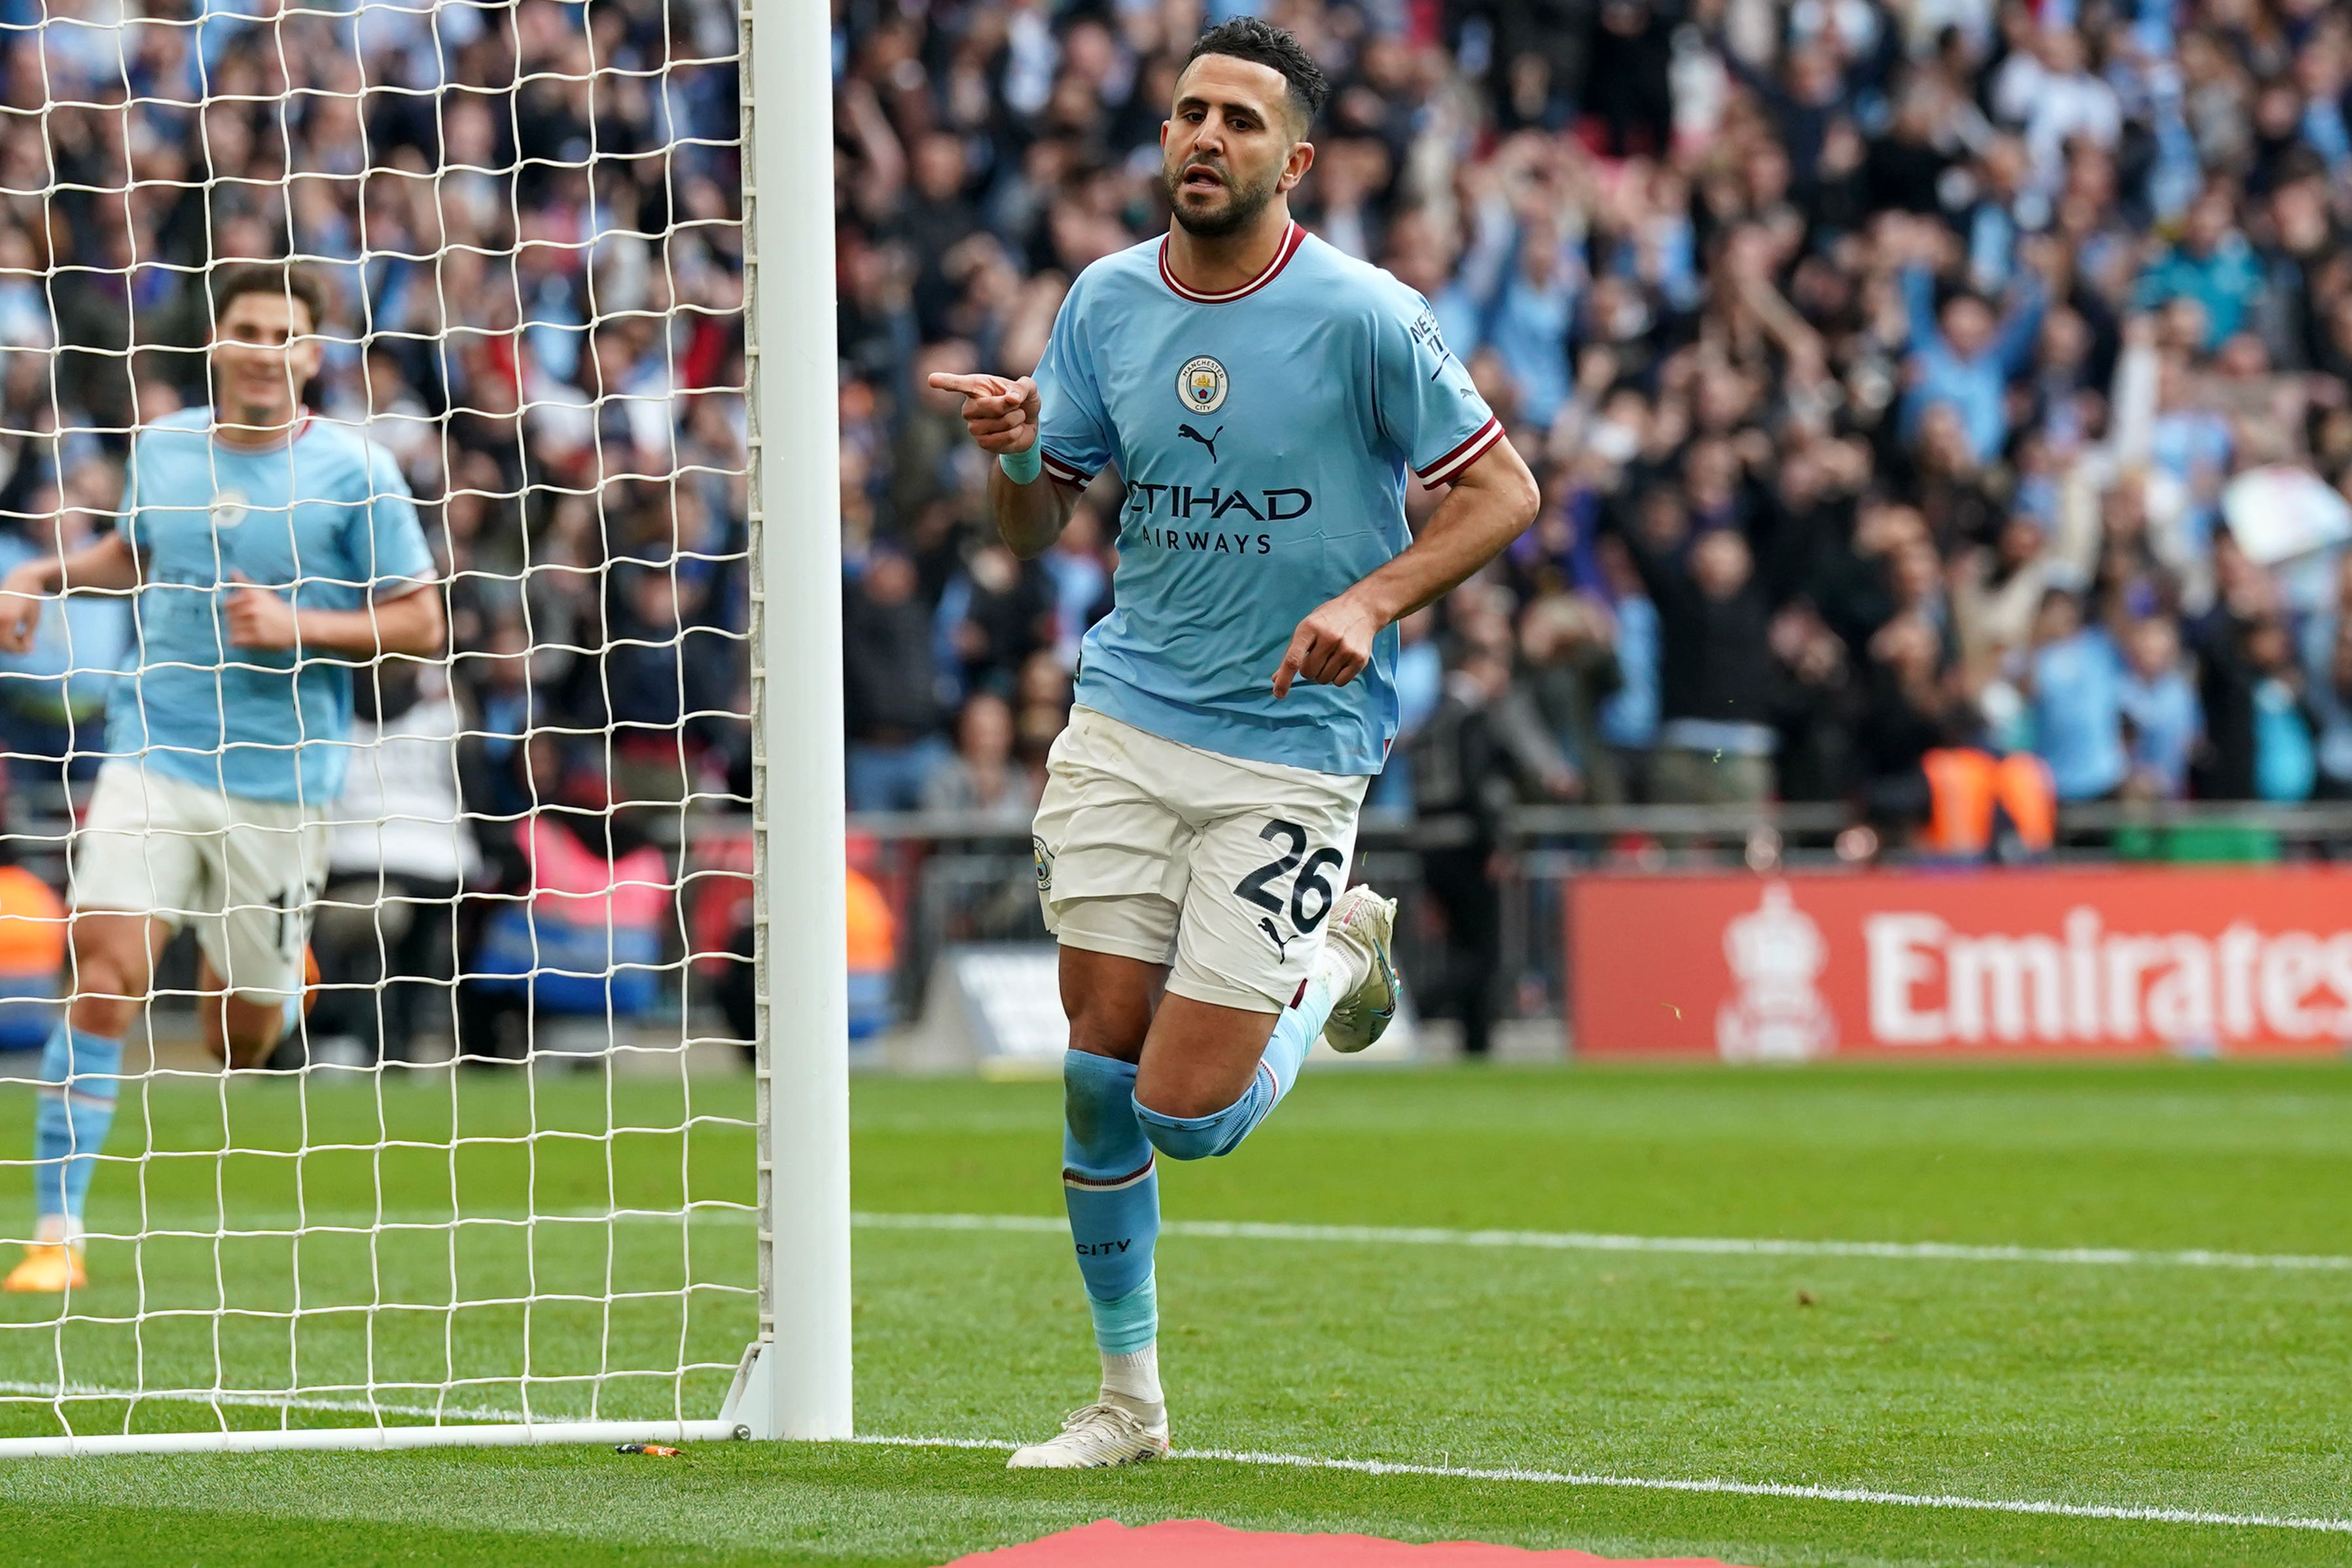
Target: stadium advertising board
{"points": [[2048, 961]]}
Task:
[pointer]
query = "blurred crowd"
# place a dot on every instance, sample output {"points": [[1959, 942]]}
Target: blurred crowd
{"points": [[1904, 376], [528, 216]]}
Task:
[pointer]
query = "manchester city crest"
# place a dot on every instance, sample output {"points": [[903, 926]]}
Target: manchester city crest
{"points": [[1201, 385], [229, 508]]}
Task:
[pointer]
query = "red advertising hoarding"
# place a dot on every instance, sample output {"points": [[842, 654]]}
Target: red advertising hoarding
{"points": [[2049, 961]]}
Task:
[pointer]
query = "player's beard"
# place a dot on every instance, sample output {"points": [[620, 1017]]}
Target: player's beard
{"points": [[1243, 204], [270, 405]]}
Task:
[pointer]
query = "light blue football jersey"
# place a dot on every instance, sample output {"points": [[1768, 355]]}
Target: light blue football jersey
{"points": [[1265, 435], [325, 519]]}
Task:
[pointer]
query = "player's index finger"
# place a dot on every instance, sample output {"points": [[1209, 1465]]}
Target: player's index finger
{"points": [[970, 385], [1292, 658]]}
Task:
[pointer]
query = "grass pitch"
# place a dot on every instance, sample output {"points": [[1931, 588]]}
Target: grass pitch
{"points": [[2139, 1382]]}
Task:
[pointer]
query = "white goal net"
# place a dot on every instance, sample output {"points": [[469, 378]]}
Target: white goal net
{"points": [[500, 1172]]}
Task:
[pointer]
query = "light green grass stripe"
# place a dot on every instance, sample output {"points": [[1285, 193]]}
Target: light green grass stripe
{"points": [[1727, 1487], [1588, 1241]]}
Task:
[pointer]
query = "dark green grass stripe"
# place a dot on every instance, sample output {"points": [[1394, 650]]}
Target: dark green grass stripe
{"points": [[863, 1506], [130, 1536]]}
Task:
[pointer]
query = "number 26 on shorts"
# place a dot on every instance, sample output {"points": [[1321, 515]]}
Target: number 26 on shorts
{"points": [[1313, 877]]}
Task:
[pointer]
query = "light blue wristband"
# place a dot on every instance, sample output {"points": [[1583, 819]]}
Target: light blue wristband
{"points": [[1021, 468]]}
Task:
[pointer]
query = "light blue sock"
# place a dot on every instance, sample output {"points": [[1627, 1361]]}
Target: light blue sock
{"points": [[1295, 1033], [1129, 1324], [1112, 1190], [79, 1078]]}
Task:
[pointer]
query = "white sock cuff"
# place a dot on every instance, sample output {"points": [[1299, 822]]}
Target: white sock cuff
{"points": [[1135, 1374], [1341, 966]]}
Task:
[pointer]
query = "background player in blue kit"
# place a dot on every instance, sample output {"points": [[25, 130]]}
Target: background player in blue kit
{"points": [[268, 551], [1263, 396]]}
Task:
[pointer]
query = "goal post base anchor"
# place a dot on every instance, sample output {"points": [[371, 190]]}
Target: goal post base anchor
{"points": [[750, 1404]]}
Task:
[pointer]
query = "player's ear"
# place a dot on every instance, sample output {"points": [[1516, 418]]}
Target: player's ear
{"points": [[1295, 167], [304, 360]]}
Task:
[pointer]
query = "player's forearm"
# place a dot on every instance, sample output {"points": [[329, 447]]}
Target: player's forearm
{"points": [[1029, 517], [1490, 505], [107, 566], [410, 625]]}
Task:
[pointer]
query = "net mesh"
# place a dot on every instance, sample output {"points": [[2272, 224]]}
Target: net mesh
{"points": [[500, 1168]]}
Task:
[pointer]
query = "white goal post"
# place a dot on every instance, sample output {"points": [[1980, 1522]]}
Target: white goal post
{"points": [[796, 1381], [557, 1250]]}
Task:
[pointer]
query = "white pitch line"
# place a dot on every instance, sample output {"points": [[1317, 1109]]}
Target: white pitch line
{"points": [[1727, 1487], [1589, 1241], [287, 1224], [1327, 1235]]}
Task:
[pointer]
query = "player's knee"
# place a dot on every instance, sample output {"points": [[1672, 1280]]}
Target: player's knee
{"points": [[108, 987], [1110, 1001], [1201, 1137], [1096, 1041], [250, 1048], [103, 1010], [246, 1032], [1109, 1028], [251, 1051]]}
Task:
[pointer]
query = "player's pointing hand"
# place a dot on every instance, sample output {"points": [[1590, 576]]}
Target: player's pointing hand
{"points": [[1331, 645], [20, 607], [257, 617], [1001, 415]]}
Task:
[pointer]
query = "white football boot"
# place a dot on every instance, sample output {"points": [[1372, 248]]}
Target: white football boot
{"points": [[1090, 1439], [1362, 927]]}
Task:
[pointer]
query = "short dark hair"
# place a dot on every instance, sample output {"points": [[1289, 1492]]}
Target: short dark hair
{"points": [[1263, 43], [282, 279]]}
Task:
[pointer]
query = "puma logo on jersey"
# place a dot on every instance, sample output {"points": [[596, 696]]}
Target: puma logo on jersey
{"points": [[1280, 941], [1209, 441]]}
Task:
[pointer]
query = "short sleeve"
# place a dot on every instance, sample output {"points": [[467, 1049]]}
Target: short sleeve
{"points": [[393, 555], [1073, 430], [1426, 403]]}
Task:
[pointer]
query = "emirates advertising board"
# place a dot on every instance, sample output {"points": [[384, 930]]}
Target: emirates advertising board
{"points": [[2053, 962]]}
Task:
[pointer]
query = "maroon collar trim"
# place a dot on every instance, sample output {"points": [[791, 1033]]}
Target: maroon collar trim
{"points": [[1291, 241]]}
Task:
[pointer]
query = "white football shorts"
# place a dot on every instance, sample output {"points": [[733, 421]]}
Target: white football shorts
{"points": [[245, 872], [1222, 869]]}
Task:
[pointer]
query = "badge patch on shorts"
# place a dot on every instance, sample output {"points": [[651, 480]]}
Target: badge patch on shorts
{"points": [[1044, 858], [1201, 384]]}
